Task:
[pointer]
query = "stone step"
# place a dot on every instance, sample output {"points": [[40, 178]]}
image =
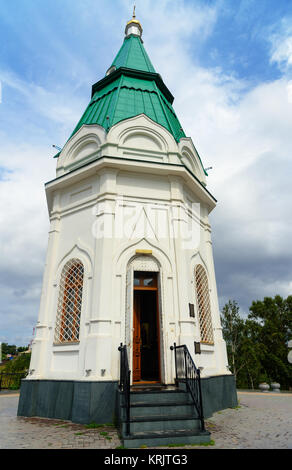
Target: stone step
{"points": [[161, 416], [159, 423], [161, 409], [157, 397], [165, 438]]}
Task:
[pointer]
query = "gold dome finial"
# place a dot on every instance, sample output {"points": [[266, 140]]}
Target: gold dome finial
{"points": [[134, 26]]}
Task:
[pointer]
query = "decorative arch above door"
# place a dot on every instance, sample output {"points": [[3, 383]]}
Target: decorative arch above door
{"points": [[143, 310], [145, 263]]}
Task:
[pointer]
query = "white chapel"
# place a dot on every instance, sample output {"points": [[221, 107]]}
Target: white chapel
{"points": [[129, 300]]}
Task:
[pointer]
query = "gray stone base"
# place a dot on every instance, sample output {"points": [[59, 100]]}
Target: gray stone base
{"points": [[219, 393], [88, 402], [79, 402]]}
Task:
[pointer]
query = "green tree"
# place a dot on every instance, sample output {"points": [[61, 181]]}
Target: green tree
{"points": [[22, 349], [8, 349], [250, 356], [232, 325], [257, 346], [244, 354], [271, 320], [19, 364]]}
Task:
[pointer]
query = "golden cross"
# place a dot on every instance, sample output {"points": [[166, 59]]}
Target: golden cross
{"points": [[134, 12]]}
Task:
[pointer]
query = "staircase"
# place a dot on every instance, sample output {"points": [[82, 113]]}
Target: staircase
{"points": [[155, 416], [160, 416]]}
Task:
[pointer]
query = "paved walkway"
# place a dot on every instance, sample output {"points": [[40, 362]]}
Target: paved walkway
{"points": [[38, 433], [262, 421]]}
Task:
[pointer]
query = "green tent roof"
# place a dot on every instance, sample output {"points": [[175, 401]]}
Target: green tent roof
{"points": [[133, 55], [132, 88]]}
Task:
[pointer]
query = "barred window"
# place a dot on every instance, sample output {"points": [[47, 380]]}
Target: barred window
{"points": [[204, 308], [69, 303]]}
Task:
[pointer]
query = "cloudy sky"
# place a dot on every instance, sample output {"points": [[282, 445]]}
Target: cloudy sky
{"points": [[229, 65]]}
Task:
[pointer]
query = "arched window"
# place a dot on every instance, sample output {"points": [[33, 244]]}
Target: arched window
{"points": [[204, 308], [69, 303]]}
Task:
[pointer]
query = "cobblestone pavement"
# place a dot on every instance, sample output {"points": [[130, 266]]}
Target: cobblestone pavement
{"points": [[262, 421], [38, 433]]}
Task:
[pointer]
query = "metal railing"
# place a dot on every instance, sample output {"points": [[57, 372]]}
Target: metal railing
{"points": [[11, 381], [187, 372], [125, 383]]}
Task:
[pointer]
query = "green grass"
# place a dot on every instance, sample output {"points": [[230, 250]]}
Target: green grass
{"points": [[175, 445], [94, 426], [205, 444]]}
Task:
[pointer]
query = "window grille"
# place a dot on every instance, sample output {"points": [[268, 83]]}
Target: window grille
{"points": [[69, 303], [204, 307]]}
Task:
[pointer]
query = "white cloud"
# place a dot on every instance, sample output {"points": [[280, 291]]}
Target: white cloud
{"points": [[23, 237], [282, 53], [23, 211], [56, 105], [289, 91], [281, 44]]}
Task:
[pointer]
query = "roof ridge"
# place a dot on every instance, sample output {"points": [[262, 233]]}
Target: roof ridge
{"points": [[129, 48], [146, 57], [116, 102]]}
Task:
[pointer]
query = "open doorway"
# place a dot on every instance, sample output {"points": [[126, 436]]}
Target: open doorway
{"points": [[146, 335]]}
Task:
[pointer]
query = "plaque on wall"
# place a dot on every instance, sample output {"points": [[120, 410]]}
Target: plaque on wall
{"points": [[192, 310], [197, 348]]}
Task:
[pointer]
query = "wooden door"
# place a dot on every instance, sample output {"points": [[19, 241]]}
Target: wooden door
{"points": [[137, 340], [146, 328]]}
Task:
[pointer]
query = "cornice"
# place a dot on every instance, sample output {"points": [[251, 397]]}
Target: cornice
{"points": [[130, 165], [139, 74]]}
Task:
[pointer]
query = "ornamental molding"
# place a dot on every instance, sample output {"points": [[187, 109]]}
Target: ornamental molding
{"points": [[142, 124], [190, 158], [82, 252], [145, 263], [86, 142], [128, 253], [195, 260]]}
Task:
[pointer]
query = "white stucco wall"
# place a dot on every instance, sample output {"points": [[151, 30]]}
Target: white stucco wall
{"points": [[137, 164]]}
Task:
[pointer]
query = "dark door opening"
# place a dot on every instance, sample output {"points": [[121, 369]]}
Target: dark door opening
{"points": [[146, 360]]}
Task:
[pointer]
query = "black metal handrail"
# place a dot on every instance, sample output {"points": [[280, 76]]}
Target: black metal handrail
{"points": [[125, 383], [186, 371], [11, 380]]}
